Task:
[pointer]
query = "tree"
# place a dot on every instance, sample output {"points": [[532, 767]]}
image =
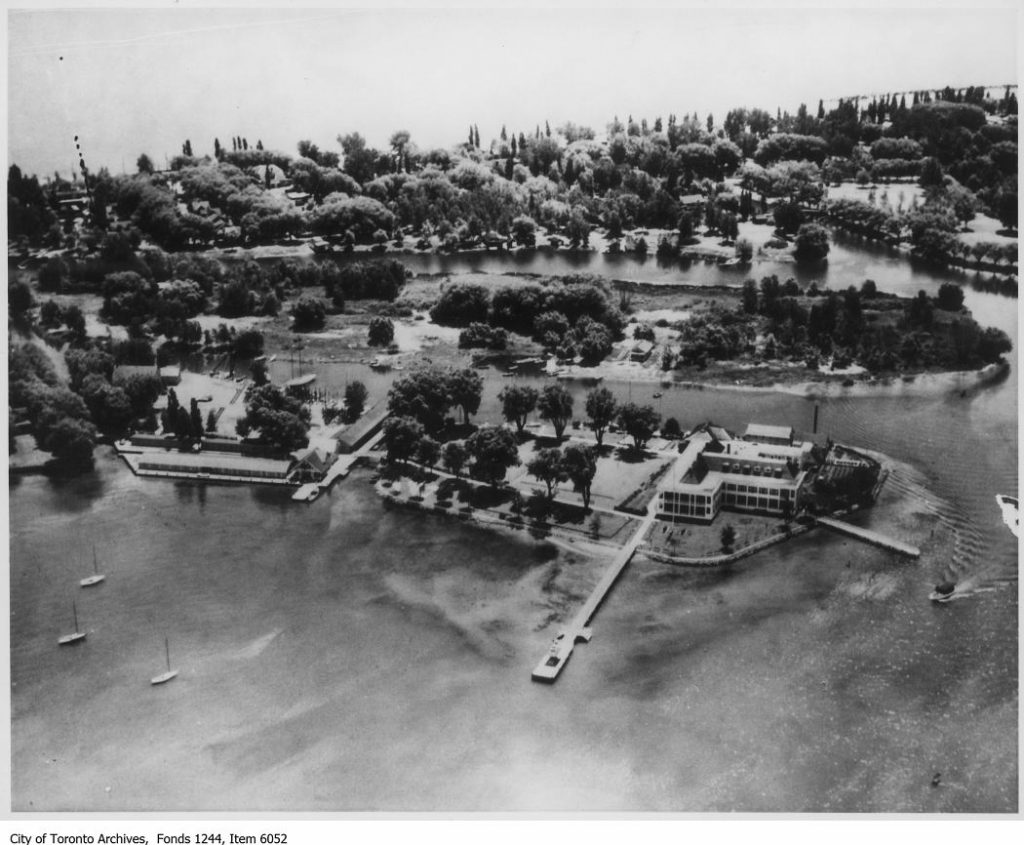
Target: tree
{"points": [[555, 406], [144, 164], [422, 395], [428, 451], [53, 274], [580, 465], [281, 420], [71, 441], [951, 297], [547, 467], [524, 230], [494, 451], [382, 332], [356, 395], [744, 250], [248, 343], [517, 403], [601, 409], [811, 243], [465, 387], [639, 422], [402, 436], [454, 456], [728, 537], [260, 372], [671, 428], [20, 299], [460, 305], [308, 314], [1006, 207], [196, 419], [109, 406]]}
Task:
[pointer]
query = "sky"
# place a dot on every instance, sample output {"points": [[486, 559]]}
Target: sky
{"points": [[128, 81]]}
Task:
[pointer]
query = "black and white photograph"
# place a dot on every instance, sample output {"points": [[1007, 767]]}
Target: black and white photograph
{"points": [[539, 410]]}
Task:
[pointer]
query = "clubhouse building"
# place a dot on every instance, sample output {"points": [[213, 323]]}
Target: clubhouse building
{"points": [[761, 472]]}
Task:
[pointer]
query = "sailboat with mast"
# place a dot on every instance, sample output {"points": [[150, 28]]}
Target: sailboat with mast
{"points": [[97, 576], [164, 677], [75, 636]]}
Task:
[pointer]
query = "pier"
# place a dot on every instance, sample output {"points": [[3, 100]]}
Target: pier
{"points": [[577, 630], [872, 537]]}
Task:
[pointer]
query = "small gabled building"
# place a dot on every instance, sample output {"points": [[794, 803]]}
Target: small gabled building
{"points": [[310, 465]]}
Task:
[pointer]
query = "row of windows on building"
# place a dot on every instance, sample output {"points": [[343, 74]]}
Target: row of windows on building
{"points": [[740, 496], [193, 469]]}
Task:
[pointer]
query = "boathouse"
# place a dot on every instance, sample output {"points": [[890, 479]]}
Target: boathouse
{"points": [[310, 465], [356, 435]]}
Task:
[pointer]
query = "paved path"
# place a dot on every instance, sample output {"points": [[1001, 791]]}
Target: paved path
{"points": [[871, 536], [554, 661], [343, 465]]}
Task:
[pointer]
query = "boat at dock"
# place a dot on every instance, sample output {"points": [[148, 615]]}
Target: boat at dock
{"points": [[943, 592], [554, 661], [306, 493]]}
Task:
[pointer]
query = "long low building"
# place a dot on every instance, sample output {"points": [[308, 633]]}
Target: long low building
{"points": [[717, 471], [214, 465]]}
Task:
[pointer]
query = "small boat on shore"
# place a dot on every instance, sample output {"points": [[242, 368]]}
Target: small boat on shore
{"points": [[943, 592], [75, 636], [164, 677], [97, 577]]}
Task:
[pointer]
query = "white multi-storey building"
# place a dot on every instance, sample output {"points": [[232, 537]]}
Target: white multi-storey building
{"points": [[761, 472]]}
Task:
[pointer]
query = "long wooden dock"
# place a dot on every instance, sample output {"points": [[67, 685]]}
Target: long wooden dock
{"points": [[870, 536], [577, 630]]}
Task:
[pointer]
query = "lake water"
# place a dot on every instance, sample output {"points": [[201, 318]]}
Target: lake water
{"points": [[346, 656]]}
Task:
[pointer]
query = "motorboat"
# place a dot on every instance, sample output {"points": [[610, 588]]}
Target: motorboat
{"points": [[1009, 505], [943, 592]]}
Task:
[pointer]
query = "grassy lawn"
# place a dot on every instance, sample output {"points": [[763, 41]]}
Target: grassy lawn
{"points": [[692, 539]]}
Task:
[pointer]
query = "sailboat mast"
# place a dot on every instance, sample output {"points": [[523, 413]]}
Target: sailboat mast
{"points": [[95, 565], [74, 611], [167, 651]]}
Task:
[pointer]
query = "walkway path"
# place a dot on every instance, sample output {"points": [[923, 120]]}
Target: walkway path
{"points": [[343, 465], [870, 536], [554, 661]]}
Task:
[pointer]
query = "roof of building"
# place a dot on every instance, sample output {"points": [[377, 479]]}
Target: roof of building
{"points": [[369, 421], [224, 462], [756, 430], [316, 458]]}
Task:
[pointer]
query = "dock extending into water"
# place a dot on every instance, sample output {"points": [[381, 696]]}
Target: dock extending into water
{"points": [[872, 537], [577, 630]]}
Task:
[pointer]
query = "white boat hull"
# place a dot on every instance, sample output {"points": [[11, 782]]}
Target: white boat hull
{"points": [[92, 580], [164, 678], [71, 639], [1010, 508]]}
